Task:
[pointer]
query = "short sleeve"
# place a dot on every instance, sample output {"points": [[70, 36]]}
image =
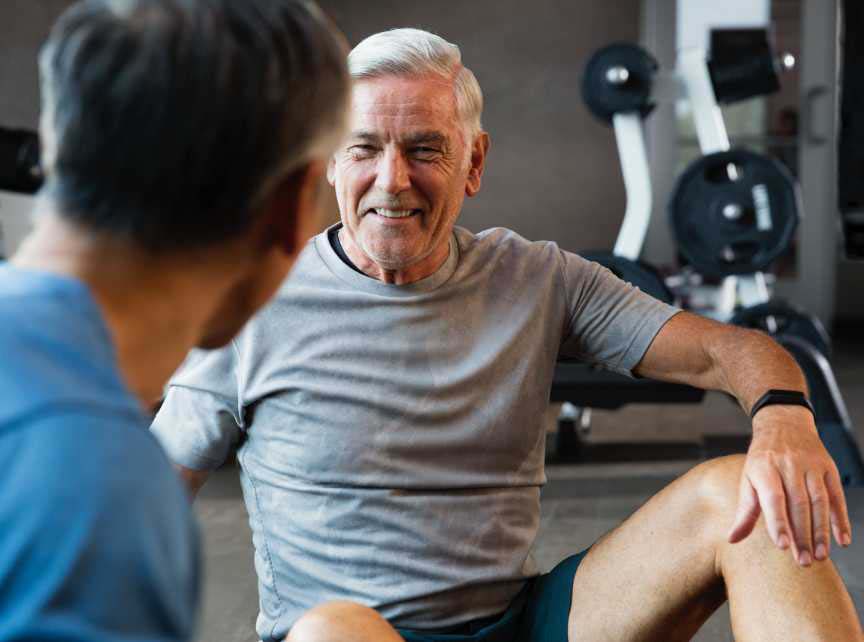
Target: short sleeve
{"points": [[200, 421], [610, 322]]}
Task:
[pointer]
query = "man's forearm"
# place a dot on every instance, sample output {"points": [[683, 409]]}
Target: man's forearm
{"points": [[747, 363], [715, 356]]}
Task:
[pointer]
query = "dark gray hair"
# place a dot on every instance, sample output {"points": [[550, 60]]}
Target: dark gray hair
{"points": [[166, 121], [414, 52]]}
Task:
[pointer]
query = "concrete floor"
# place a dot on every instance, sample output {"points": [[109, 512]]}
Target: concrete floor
{"points": [[580, 503]]}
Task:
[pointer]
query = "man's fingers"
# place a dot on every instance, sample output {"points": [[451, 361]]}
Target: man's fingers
{"points": [[820, 505], [839, 512], [748, 512], [798, 507], [772, 499]]}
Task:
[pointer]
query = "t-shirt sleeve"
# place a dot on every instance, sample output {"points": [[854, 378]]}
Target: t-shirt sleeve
{"points": [[200, 421], [99, 543], [610, 322]]}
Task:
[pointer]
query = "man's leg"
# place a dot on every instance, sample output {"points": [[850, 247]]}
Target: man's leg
{"points": [[665, 570], [342, 622]]}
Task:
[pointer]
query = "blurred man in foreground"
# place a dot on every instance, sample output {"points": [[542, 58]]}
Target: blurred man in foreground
{"points": [[183, 141]]}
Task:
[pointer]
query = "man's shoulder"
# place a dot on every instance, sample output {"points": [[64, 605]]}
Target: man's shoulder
{"points": [[99, 449], [56, 348], [43, 374], [85, 468], [501, 244], [100, 519]]}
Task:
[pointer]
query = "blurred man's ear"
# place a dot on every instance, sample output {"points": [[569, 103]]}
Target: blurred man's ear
{"points": [[290, 215], [479, 149], [331, 171]]}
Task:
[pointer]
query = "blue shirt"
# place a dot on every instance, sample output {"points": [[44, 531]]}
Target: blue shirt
{"points": [[97, 537]]}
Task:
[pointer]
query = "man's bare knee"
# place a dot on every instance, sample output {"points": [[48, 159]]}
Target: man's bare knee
{"points": [[341, 621], [719, 480], [715, 485]]}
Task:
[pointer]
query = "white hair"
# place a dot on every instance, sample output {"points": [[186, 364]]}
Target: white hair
{"points": [[414, 52]]}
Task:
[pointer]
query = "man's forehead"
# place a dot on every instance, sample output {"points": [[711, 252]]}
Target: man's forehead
{"points": [[395, 96]]}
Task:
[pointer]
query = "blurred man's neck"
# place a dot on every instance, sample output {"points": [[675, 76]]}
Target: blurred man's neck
{"points": [[155, 306]]}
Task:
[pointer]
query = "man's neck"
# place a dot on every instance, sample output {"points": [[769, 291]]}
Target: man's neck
{"points": [[154, 306], [426, 267]]}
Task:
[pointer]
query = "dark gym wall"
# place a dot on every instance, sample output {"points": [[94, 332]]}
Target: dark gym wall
{"points": [[850, 272], [24, 24], [553, 171]]}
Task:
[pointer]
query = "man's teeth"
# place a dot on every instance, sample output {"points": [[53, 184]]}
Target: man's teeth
{"points": [[393, 213]]}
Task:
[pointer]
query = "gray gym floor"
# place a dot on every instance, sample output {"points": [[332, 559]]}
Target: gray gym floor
{"points": [[580, 503]]}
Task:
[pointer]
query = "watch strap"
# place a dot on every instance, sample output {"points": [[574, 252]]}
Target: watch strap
{"points": [[783, 398]]}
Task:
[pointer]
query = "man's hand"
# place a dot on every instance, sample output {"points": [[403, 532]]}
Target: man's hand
{"points": [[790, 477]]}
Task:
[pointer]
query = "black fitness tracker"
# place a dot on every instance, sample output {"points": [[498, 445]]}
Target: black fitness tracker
{"points": [[782, 397]]}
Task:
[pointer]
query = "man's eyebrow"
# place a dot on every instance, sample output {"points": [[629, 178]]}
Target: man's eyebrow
{"points": [[427, 137], [430, 137], [364, 135]]}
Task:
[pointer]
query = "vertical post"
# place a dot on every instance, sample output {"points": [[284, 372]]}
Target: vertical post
{"points": [[818, 234], [659, 20]]}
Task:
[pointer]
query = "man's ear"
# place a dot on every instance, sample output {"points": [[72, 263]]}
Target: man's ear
{"points": [[479, 149], [291, 210]]}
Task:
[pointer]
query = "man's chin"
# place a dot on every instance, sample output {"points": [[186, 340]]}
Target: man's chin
{"points": [[393, 256]]}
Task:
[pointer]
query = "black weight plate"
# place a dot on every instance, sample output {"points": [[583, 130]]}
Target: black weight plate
{"points": [[605, 99], [780, 318], [767, 200], [745, 78], [643, 276]]}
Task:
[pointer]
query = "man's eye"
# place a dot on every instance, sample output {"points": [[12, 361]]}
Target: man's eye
{"points": [[361, 150], [425, 152]]}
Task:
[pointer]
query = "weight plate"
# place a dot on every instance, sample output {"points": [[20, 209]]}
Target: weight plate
{"points": [[618, 79], [780, 318], [747, 77], [643, 276], [734, 212]]}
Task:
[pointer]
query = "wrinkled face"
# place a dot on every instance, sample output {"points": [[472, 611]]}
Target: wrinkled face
{"points": [[403, 172]]}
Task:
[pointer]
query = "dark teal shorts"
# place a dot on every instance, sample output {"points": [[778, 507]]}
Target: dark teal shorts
{"points": [[538, 613]]}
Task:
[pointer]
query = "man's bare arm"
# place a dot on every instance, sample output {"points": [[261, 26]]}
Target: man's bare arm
{"points": [[194, 479], [715, 356], [789, 476]]}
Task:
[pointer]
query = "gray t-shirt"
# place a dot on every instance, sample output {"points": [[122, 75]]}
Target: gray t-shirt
{"points": [[390, 437]]}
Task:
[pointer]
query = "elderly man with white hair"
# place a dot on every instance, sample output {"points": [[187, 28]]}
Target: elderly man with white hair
{"points": [[386, 412]]}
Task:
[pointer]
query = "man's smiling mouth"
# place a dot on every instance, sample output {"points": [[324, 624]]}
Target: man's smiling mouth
{"points": [[387, 213]]}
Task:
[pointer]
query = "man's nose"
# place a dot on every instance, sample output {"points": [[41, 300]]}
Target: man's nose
{"points": [[393, 175]]}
